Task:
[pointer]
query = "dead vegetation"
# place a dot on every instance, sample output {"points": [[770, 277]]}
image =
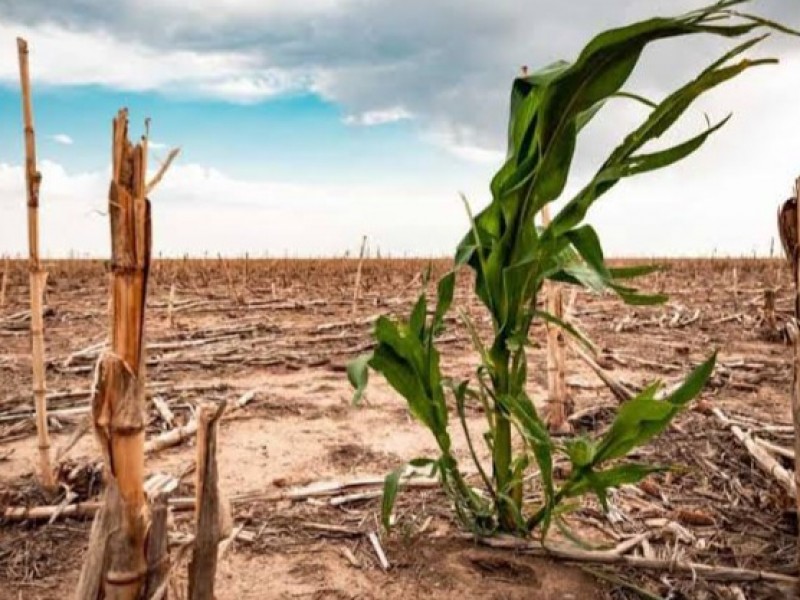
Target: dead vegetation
{"points": [[289, 425]]}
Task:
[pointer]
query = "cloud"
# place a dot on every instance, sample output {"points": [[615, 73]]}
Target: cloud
{"points": [[198, 209], [95, 57], [379, 117], [449, 63], [62, 138]]}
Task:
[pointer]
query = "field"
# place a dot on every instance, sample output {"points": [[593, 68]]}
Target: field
{"points": [[272, 337]]}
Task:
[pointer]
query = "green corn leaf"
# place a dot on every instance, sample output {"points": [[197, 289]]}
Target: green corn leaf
{"points": [[637, 97], [444, 298], [694, 383], [585, 241], [588, 115], [643, 163], [634, 298], [661, 119], [406, 380], [600, 482], [390, 488], [581, 452], [766, 23], [637, 421], [358, 375], [418, 316], [643, 417], [622, 273]]}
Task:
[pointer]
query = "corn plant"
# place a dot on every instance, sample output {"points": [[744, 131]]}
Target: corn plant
{"points": [[511, 258]]}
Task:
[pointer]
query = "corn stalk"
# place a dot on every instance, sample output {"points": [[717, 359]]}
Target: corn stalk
{"points": [[116, 566], [38, 276], [512, 259]]}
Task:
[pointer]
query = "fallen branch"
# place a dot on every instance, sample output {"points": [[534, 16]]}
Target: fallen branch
{"points": [[618, 556], [321, 489], [620, 390], [763, 458], [170, 438]]}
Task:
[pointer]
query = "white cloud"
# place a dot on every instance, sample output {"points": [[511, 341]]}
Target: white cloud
{"points": [[197, 209], [63, 138], [447, 63], [379, 117], [96, 57]]}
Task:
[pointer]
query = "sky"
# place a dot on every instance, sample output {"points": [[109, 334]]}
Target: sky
{"points": [[305, 125]]}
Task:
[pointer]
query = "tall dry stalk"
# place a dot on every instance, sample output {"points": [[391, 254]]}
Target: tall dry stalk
{"points": [[37, 277], [557, 405], [357, 287], [116, 567]]}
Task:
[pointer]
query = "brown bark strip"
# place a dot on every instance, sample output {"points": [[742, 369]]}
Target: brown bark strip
{"points": [[38, 277], [158, 564], [106, 522], [208, 518]]}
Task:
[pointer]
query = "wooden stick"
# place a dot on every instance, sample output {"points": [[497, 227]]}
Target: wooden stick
{"points": [[208, 527], [38, 277], [118, 402], [357, 287]]}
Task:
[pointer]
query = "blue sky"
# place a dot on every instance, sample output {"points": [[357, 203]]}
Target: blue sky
{"points": [[297, 136], [304, 127]]}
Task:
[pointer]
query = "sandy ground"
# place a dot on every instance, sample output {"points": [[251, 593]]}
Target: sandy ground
{"points": [[300, 426]]}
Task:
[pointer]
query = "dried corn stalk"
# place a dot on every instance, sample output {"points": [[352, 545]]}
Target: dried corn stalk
{"points": [[38, 277], [116, 566]]}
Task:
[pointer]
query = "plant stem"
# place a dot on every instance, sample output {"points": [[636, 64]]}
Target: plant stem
{"points": [[501, 450]]}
